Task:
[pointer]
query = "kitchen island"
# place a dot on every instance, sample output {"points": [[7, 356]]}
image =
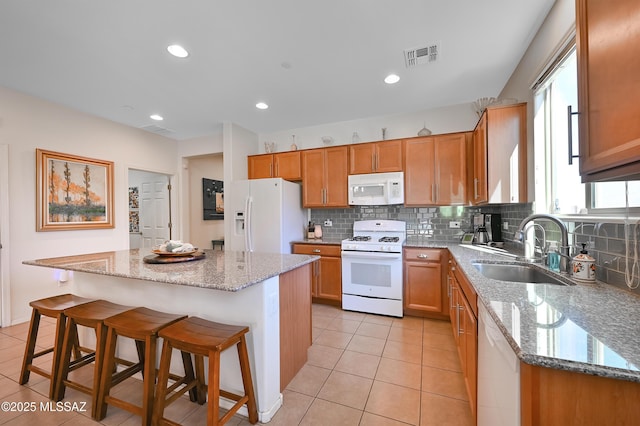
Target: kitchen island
{"points": [[269, 293]]}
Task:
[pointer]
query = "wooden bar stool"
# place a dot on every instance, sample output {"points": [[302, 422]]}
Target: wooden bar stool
{"points": [[142, 325], [204, 338], [92, 315], [52, 307]]}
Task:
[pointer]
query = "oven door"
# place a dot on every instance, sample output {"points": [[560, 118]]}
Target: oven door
{"points": [[372, 274]]}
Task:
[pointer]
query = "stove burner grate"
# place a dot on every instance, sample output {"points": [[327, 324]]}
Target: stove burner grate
{"points": [[389, 240], [360, 238]]}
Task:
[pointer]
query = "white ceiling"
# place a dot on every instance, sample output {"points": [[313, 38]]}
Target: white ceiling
{"points": [[109, 58]]}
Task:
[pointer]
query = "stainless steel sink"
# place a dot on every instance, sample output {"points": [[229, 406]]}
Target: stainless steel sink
{"points": [[518, 273]]}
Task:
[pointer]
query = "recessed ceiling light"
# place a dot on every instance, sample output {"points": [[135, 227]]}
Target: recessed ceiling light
{"points": [[156, 117], [178, 51], [391, 79], [262, 105]]}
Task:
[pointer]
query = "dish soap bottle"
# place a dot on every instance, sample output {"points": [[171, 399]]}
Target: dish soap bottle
{"points": [[584, 266]]}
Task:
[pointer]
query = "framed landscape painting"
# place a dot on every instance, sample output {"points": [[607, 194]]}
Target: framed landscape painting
{"points": [[73, 192]]}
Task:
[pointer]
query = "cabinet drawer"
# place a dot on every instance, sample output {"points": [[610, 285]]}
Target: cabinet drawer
{"points": [[422, 254], [317, 249]]}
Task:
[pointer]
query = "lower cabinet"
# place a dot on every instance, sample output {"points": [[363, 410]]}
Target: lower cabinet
{"points": [[326, 274], [424, 293], [463, 310]]}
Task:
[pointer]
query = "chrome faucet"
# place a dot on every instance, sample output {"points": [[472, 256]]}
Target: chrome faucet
{"points": [[564, 243], [530, 248]]}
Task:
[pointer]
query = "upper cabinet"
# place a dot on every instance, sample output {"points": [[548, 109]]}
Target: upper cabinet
{"points": [[435, 170], [500, 156], [286, 165], [375, 157], [324, 177], [608, 48]]}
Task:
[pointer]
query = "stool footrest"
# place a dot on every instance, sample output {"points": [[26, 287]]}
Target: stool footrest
{"points": [[126, 373], [40, 371], [81, 362], [42, 352]]}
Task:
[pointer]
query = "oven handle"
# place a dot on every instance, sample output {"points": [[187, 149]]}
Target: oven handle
{"points": [[370, 255]]}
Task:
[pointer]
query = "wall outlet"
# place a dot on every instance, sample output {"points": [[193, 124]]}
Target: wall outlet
{"points": [[454, 225], [505, 226], [328, 222]]}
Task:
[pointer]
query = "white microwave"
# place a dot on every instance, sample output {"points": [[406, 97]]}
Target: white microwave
{"points": [[376, 189]]}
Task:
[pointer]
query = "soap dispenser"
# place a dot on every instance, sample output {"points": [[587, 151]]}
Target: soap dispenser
{"points": [[584, 266]]}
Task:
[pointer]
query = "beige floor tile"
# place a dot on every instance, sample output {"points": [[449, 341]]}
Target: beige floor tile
{"points": [[378, 319], [356, 316], [406, 335], [325, 310], [378, 331], [309, 380], [12, 353], [20, 330], [447, 360], [367, 345], [9, 341], [437, 410], [444, 382], [8, 387], [328, 413], [395, 402], [358, 363], [369, 419], [344, 325], [315, 333], [294, 407], [346, 389], [335, 339], [437, 326], [23, 395], [323, 356], [408, 322], [400, 373], [439, 341], [320, 321], [403, 351]]}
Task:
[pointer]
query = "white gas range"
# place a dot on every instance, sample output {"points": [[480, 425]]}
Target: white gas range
{"points": [[372, 267]]}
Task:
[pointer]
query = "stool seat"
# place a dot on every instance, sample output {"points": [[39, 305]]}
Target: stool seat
{"points": [[52, 307], [90, 315], [204, 339], [142, 325]]}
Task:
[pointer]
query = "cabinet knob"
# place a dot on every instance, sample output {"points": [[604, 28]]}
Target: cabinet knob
{"points": [[316, 250], [422, 256]]}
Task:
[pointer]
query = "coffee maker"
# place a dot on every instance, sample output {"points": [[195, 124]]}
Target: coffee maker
{"points": [[487, 229]]}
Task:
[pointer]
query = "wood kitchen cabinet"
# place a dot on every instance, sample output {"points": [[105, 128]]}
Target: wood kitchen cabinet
{"points": [[324, 177], [424, 283], [286, 165], [500, 156], [608, 54], [375, 157], [435, 170], [326, 274], [463, 308]]}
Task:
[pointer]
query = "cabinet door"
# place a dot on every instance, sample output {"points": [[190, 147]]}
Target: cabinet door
{"points": [[451, 169], [260, 166], [388, 156], [313, 165], [471, 355], [479, 182], [330, 278], [361, 158], [608, 48], [335, 175], [419, 182], [288, 165], [423, 286]]}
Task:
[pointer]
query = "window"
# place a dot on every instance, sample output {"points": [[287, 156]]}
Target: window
{"points": [[558, 188]]}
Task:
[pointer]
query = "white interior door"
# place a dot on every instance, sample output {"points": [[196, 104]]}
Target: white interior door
{"points": [[5, 313], [154, 210]]}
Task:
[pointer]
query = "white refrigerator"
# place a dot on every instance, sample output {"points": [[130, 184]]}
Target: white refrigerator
{"points": [[266, 214]]}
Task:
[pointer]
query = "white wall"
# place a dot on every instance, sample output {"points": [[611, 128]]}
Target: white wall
{"points": [[552, 36], [27, 123], [447, 119]]}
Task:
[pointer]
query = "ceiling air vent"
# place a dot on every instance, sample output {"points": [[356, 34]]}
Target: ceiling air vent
{"points": [[422, 55], [157, 129]]}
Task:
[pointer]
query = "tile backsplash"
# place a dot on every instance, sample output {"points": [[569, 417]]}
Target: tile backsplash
{"points": [[606, 241]]}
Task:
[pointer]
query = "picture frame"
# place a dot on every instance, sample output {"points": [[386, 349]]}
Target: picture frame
{"points": [[73, 192]]}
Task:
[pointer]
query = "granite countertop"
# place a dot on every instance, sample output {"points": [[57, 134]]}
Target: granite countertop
{"points": [[220, 270], [589, 328], [323, 240]]}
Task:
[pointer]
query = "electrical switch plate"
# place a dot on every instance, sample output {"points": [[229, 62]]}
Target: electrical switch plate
{"points": [[505, 225], [454, 225], [328, 222]]}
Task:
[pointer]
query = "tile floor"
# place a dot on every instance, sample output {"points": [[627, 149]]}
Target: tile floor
{"points": [[362, 370]]}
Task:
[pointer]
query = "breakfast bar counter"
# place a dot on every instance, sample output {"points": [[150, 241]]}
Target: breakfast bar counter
{"points": [[268, 292]]}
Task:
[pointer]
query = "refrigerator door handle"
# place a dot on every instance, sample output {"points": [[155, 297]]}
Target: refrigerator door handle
{"points": [[248, 233]]}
